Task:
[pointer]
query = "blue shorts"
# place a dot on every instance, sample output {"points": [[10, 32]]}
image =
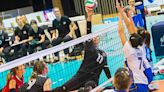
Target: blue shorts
{"points": [[139, 88]]}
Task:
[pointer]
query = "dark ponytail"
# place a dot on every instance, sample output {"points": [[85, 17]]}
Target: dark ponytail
{"points": [[136, 40], [145, 35], [147, 38]]}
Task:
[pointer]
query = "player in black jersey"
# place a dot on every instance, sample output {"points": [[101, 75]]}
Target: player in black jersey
{"points": [[38, 82], [5, 49], [37, 37], [95, 60], [21, 36]]}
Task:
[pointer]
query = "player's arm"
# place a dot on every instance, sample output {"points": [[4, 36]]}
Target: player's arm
{"points": [[73, 25], [17, 38], [12, 85], [106, 69], [47, 86], [89, 19], [1, 49], [42, 36], [54, 31], [127, 20], [30, 35], [121, 30], [132, 25], [54, 34], [6, 37], [42, 39], [148, 71]]}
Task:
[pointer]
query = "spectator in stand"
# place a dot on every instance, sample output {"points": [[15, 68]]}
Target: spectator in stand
{"points": [[5, 48], [61, 25], [21, 36], [37, 37]]}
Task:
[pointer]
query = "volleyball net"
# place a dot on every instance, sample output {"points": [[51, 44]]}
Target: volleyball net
{"points": [[62, 71]]}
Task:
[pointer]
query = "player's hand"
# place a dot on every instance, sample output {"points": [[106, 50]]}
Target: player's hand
{"points": [[16, 42], [117, 4], [119, 8], [1, 49], [54, 38], [89, 15], [130, 13], [24, 41]]}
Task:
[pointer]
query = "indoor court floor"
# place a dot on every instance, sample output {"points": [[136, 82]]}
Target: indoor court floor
{"points": [[61, 72]]}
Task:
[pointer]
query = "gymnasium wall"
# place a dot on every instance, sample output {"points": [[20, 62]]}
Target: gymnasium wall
{"points": [[105, 7]]}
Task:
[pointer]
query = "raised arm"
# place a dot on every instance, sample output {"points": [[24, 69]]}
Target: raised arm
{"points": [[89, 45], [132, 25], [127, 17], [89, 19], [106, 69], [121, 30]]}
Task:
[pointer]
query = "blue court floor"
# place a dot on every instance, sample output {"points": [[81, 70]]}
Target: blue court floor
{"points": [[61, 72]]}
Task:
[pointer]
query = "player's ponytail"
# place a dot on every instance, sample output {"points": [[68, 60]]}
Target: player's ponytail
{"points": [[136, 40], [145, 35], [147, 38], [38, 69]]}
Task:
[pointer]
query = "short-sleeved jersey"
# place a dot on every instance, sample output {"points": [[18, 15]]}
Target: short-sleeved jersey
{"points": [[136, 62], [95, 60], [4, 40], [34, 85], [19, 84], [62, 26], [36, 35], [22, 33]]}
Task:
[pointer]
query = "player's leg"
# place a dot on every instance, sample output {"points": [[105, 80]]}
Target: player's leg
{"points": [[74, 83], [66, 39]]}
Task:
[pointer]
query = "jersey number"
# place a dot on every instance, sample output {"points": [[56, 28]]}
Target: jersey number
{"points": [[140, 59], [99, 58]]}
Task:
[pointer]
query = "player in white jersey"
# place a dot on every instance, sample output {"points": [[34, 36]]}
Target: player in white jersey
{"points": [[136, 60], [129, 23]]}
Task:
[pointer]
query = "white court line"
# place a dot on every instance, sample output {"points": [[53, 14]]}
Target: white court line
{"points": [[161, 62], [57, 81]]}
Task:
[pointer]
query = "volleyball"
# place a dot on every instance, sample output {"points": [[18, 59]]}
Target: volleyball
{"points": [[90, 4]]}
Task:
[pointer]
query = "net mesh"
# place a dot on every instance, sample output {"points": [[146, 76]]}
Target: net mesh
{"points": [[63, 70]]}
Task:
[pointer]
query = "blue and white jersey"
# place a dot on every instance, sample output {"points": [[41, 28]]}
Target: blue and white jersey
{"points": [[147, 53], [136, 62]]}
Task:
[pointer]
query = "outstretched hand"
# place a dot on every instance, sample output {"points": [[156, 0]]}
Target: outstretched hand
{"points": [[89, 14], [119, 8], [130, 12]]}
